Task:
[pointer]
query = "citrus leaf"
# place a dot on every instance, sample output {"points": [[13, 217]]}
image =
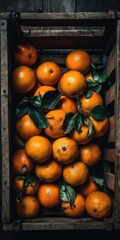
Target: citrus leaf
{"points": [[78, 123], [35, 101], [99, 112], [88, 93], [67, 193], [90, 127], [71, 124], [97, 88], [38, 118], [96, 66], [99, 181], [51, 99], [20, 111], [100, 76], [67, 119]]}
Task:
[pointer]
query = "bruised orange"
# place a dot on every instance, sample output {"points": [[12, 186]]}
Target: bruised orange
{"points": [[27, 207]]}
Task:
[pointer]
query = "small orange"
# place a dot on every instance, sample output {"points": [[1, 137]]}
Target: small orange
{"points": [[43, 89], [26, 128], [48, 73], [90, 154], [89, 103], [89, 76], [55, 121], [38, 148], [28, 207], [79, 60], [75, 210], [18, 185], [87, 188], [21, 163], [75, 174], [65, 150], [66, 104], [82, 137], [48, 195], [100, 127], [49, 171], [72, 84], [23, 79], [98, 205]]}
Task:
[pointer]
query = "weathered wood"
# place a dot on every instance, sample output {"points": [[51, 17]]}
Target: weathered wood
{"points": [[111, 134], [110, 95], [110, 155], [97, 6], [4, 124], [110, 181], [59, 6], [111, 61]]}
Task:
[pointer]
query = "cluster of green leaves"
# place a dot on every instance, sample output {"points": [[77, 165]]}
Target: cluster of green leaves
{"points": [[67, 193]]}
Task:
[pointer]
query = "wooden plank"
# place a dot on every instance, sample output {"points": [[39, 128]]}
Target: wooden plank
{"points": [[110, 155], [110, 94], [110, 180], [111, 134], [4, 124], [111, 61]]}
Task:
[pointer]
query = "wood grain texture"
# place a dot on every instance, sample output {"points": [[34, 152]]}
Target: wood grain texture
{"points": [[110, 94], [110, 181], [110, 155], [111, 134]]}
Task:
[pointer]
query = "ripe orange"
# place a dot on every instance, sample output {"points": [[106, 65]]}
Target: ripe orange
{"points": [[72, 84], [87, 188], [38, 148], [48, 73], [67, 105], [55, 121], [75, 174], [100, 127], [26, 128], [49, 171], [78, 60], [28, 207], [65, 150], [98, 205], [89, 103], [25, 54], [75, 210], [23, 79], [48, 195], [43, 89], [89, 76], [90, 154], [31, 189], [82, 137], [21, 163]]}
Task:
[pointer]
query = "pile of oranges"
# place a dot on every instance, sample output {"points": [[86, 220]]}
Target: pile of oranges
{"points": [[51, 165]]}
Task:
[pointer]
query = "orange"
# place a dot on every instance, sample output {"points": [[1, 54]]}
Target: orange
{"points": [[65, 150], [55, 121], [48, 195], [72, 84], [89, 76], [78, 60], [90, 154], [75, 210], [48, 73], [66, 104], [23, 79], [43, 89], [87, 188], [49, 171], [28, 207], [38, 148], [21, 163], [100, 127], [26, 128], [75, 174], [82, 137], [98, 205], [89, 103], [31, 189]]}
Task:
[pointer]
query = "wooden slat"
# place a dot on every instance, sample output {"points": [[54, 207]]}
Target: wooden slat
{"points": [[110, 94], [111, 135], [110, 180], [110, 155], [4, 124], [111, 61]]}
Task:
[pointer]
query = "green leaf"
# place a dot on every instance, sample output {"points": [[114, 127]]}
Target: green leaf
{"points": [[51, 99], [35, 101], [99, 112], [67, 119], [21, 111], [96, 66], [90, 127], [99, 181], [78, 123], [71, 124], [97, 88], [88, 93], [67, 193], [38, 118], [100, 76]]}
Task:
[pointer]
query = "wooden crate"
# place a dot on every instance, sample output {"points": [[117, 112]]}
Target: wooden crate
{"points": [[56, 34]]}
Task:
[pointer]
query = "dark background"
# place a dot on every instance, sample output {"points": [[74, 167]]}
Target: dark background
{"points": [[61, 6]]}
